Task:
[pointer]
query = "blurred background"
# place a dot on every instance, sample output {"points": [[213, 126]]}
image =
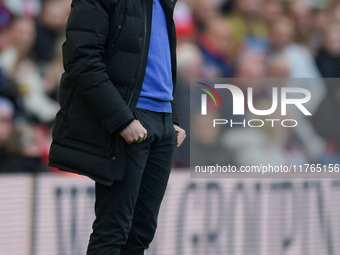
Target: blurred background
{"points": [[44, 211]]}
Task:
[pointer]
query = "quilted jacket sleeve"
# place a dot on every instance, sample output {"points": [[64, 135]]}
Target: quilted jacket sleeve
{"points": [[86, 35]]}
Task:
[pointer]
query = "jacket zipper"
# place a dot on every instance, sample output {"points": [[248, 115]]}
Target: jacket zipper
{"points": [[143, 54]]}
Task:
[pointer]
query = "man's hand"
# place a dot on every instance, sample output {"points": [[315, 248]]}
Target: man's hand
{"points": [[180, 135], [134, 133]]}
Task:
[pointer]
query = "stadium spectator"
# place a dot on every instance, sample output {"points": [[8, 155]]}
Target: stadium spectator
{"points": [[215, 43], [21, 37], [50, 25], [190, 64], [246, 24], [24, 148], [328, 57], [251, 64], [205, 10], [19, 67], [301, 62], [321, 19], [270, 10], [301, 15], [251, 68], [186, 28], [206, 146]]}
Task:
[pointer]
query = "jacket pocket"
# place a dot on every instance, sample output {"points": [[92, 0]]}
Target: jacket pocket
{"points": [[84, 129]]}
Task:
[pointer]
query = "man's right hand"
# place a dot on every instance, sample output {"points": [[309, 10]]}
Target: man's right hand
{"points": [[134, 133]]}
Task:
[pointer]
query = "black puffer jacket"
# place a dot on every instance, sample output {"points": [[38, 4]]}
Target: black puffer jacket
{"points": [[105, 56]]}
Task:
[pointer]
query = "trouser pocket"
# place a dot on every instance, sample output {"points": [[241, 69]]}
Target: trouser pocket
{"points": [[138, 116]]}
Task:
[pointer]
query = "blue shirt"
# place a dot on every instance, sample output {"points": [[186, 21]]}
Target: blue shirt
{"points": [[156, 94]]}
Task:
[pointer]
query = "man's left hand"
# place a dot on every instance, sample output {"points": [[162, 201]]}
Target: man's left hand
{"points": [[180, 135]]}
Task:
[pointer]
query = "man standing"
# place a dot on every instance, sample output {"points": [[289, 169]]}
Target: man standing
{"points": [[117, 123]]}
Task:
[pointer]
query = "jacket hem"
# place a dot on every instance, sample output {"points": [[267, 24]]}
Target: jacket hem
{"points": [[102, 170], [74, 171]]}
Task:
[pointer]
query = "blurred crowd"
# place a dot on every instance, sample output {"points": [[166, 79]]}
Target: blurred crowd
{"points": [[31, 35], [216, 39], [257, 39]]}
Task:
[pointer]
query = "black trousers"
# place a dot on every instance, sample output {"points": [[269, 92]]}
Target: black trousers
{"points": [[126, 212]]}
